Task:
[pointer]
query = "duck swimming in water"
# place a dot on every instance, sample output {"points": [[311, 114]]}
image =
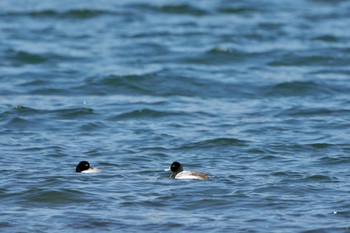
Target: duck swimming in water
{"points": [[179, 173], [84, 167]]}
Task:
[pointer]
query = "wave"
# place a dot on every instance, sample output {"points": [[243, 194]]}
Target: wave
{"points": [[302, 112], [238, 10], [215, 142], [79, 13], [90, 13], [146, 113], [21, 115], [24, 57], [52, 196], [319, 178], [323, 58], [334, 160], [163, 83], [179, 9], [216, 56], [300, 88]]}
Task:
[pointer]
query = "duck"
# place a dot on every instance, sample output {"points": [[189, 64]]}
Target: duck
{"points": [[180, 174], [84, 167]]}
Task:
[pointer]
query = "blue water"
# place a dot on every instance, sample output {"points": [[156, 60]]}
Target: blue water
{"points": [[254, 93]]}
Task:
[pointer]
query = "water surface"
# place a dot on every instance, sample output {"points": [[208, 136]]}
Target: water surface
{"points": [[254, 93]]}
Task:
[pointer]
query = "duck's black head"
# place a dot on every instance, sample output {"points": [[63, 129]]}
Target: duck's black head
{"points": [[82, 166], [176, 167]]}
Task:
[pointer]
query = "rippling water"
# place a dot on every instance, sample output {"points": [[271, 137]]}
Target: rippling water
{"points": [[254, 93]]}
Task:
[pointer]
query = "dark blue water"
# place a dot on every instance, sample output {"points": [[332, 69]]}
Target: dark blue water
{"points": [[254, 93]]}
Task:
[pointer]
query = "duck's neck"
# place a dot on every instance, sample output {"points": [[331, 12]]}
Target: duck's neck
{"points": [[175, 173]]}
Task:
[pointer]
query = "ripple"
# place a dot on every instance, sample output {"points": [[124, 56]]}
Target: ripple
{"points": [[335, 160], [28, 58], [327, 38], [181, 9], [301, 112], [321, 145], [92, 126], [326, 59], [18, 122], [84, 13], [236, 10], [163, 83], [54, 197], [216, 142], [146, 113], [74, 112], [217, 56], [300, 88], [19, 110], [62, 113], [79, 13], [176, 9], [322, 178]]}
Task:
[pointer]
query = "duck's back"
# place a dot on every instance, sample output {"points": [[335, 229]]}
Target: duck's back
{"points": [[190, 175]]}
